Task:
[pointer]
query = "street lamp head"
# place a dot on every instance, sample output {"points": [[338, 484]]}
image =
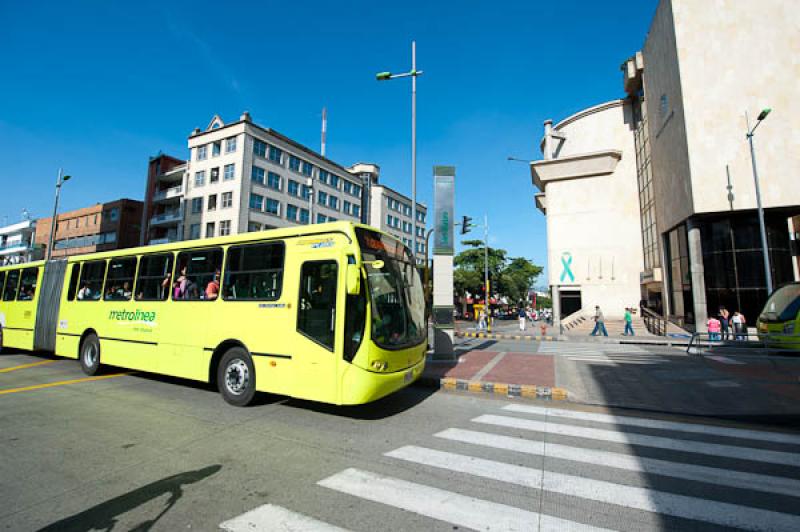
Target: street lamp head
{"points": [[66, 178], [763, 114], [383, 76]]}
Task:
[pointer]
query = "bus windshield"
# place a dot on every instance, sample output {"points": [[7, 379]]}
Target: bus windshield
{"points": [[395, 289], [783, 305]]}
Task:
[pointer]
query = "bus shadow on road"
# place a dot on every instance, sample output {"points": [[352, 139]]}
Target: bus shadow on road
{"points": [[386, 407], [105, 516]]}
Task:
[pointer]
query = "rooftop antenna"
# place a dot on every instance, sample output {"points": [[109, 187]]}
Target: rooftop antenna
{"points": [[324, 129]]}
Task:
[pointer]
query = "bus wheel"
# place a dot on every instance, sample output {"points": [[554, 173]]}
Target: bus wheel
{"points": [[236, 377], [90, 354]]}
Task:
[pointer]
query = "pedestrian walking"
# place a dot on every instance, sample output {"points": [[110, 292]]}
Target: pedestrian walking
{"points": [[724, 320], [522, 318], [739, 326], [714, 327], [481, 320], [599, 322], [628, 323]]}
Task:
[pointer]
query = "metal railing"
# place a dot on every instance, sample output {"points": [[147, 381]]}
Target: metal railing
{"points": [[655, 323], [172, 192], [701, 342]]}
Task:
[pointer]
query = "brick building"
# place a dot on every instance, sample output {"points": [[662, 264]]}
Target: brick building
{"points": [[101, 227]]}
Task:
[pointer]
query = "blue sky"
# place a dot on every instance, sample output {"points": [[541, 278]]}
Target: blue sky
{"points": [[98, 87]]}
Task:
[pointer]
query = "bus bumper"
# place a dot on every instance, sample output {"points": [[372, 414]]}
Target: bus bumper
{"points": [[360, 386]]}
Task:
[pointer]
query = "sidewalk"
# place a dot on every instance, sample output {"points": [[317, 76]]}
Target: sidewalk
{"points": [[656, 379]]}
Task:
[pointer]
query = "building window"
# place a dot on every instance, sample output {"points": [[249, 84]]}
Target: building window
{"points": [[357, 191], [194, 231], [294, 163], [420, 232], [197, 205], [304, 216], [322, 198], [257, 175], [347, 187], [200, 178], [420, 216], [346, 207], [230, 145], [275, 155], [333, 203], [227, 199], [307, 169], [291, 212], [229, 172], [389, 220], [216, 148], [259, 148], [209, 229], [256, 202], [212, 202], [274, 181], [306, 192], [334, 181], [357, 211], [273, 207], [253, 227], [323, 176], [321, 218], [331, 219], [224, 228], [293, 188], [202, 153], [407, 210]]}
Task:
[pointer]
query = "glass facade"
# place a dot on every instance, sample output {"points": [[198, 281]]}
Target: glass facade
{"points": [[679, 277]]}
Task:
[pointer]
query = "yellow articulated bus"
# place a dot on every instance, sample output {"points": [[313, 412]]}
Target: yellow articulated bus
{"points": [[329, 312]]}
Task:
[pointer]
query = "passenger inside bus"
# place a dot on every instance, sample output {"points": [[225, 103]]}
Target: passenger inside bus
{"points": [[212, 289], [85, 292]]}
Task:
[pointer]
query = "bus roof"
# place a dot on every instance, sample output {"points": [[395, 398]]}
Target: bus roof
{"points": [[346, 228]]}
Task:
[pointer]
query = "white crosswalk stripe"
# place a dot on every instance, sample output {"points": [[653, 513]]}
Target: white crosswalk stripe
{"points": [[609, 487], [270, 517], [719, 513], [611, 354]]}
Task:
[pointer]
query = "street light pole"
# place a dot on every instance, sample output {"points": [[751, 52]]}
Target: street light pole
{"points": [[486, 269], [383, 76], [60, 181], [310, 185], [764, 249]]}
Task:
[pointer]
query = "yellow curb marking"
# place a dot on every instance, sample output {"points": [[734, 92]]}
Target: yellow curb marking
{"points": [[528, 391], [559, 393], [449, 383], [61, 383], [501, 388], [474, 386], [23, 366]]}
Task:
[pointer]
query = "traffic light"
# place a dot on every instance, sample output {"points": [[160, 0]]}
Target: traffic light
{"points": [[466, 224]]}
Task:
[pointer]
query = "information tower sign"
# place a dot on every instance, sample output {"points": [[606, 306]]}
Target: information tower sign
{"points": [[443, 250]]}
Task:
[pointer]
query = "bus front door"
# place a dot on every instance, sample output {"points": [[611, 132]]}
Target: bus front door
{"points": [[317, 318]]}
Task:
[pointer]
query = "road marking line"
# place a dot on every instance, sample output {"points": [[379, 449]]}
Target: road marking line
{"points": [[271, 517], [726, 360], [657, 502], [23, 366], [443, 505], [776, 437], [659, 442], [61, 383], [649, 466], [488, 367]]}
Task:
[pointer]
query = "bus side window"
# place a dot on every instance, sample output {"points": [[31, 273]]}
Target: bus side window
{"points": [[73, 282], [2, 283], [10, 290], [91, 284], [119, 280], [254, 272], [155, 278], [27, 285], [197, 277]]}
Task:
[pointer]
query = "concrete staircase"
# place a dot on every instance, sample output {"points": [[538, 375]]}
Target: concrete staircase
{"points": [[583, 325]]}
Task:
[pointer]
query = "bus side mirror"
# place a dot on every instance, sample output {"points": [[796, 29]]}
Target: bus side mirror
{"points": [[353, 280]]}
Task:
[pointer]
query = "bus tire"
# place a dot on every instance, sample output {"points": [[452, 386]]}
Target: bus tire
{"points": [[236, 377], [90, 354]]}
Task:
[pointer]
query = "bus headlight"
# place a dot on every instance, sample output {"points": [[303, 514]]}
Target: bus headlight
{"points": [[379, 365]]}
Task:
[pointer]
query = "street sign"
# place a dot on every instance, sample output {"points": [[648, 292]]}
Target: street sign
{"points": [[444, 184]]}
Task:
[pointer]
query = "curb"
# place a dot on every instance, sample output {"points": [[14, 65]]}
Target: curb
{"points": [[525, 337], [530, 391]]}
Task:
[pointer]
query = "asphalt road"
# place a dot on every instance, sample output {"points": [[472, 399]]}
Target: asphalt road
{"points": [[139, 452]]}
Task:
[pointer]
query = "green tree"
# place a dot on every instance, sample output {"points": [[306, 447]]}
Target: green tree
{"points": [[509, 277]]}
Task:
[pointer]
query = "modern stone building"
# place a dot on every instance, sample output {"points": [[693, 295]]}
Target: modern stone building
{"points": [[17, 243], [162, 214], [101, 227], [685, 168]]}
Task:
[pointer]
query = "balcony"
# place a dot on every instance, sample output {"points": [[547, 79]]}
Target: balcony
{"points": [[176, 174], [165, 240], [14, 247], [167, 218], [168, 194]]}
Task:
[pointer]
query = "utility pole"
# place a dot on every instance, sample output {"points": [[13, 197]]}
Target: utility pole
{"points": [[764, 249], [60, 181]]}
